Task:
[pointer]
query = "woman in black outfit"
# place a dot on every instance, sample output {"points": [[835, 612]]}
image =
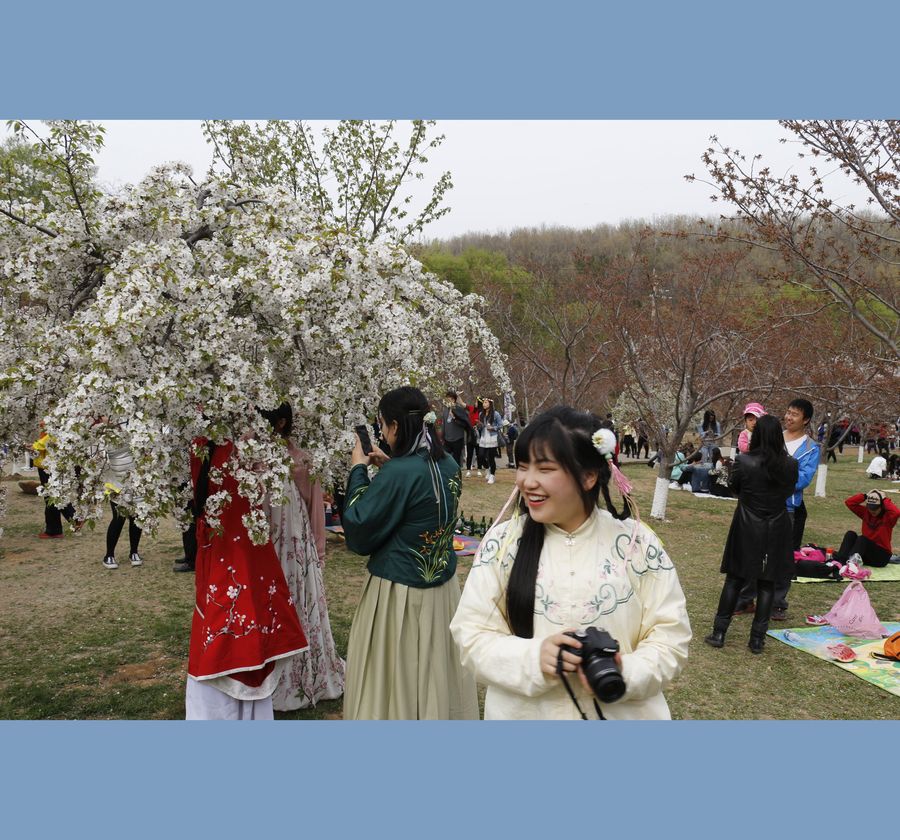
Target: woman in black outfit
{"points": [[760, 544]]}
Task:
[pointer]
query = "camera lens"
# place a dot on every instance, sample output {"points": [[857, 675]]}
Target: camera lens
{"points": [[604, 678]]}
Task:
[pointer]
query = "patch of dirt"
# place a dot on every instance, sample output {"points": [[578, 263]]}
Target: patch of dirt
{"points": [[16, 476], [146, 673]]}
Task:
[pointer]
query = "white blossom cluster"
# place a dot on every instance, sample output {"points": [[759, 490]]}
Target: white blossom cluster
{"points": [[172, 311]]}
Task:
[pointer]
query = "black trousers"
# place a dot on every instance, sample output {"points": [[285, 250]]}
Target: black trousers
{"points": [[473, 453], [114, 531], [799, 520], [487, 457], [52, 514], [732, 591], [455, 448], [511, 453], [872, 555], [189, 538]]}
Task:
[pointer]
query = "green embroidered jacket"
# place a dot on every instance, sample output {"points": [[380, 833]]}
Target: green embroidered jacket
{"points": [[404, 519]]}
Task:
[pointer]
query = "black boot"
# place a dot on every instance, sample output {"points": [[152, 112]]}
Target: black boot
{"points": [[757, 641], [764, 598], [716, 639]]}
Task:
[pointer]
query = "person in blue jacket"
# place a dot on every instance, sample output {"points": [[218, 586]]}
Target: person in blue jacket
{"points": [[710, 431], [805, 450]]}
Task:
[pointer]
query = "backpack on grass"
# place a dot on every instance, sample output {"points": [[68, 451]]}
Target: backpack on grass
{"points": [[891, 649]]}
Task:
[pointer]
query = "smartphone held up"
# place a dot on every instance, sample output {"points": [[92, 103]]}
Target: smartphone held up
{"points": [[362, 432]]}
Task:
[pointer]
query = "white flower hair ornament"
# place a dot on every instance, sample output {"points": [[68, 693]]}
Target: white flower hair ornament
{"points": [[605, 443], [423, 439]]}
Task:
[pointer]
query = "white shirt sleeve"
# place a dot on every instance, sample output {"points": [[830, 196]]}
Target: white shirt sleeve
{"points": [[665, 631], [486, 644]]}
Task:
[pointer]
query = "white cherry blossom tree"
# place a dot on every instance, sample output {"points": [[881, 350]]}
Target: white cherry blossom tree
{"points": [[173, 309]]}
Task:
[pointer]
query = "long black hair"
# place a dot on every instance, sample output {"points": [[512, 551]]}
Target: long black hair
{"points": [[709, 421], [767, 441], [283, 412], [407, 407], [563, 434], [486, 415]]}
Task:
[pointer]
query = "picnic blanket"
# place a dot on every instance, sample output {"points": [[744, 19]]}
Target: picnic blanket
{"points": [[470, 544], [891, 572], [711, 496], [885, 675]]}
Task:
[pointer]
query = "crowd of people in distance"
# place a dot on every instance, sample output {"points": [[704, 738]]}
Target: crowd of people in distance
{"points": [[572, 607]]}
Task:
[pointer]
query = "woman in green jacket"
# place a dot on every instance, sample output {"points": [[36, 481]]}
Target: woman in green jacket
{"points": [[402, 662]]}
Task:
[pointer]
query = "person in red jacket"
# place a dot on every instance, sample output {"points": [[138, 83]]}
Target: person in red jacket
{"points": [[873, 546], [244, 624]]}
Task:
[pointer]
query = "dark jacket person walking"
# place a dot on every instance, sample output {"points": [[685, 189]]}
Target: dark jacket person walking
{"points": [[759, 544]]}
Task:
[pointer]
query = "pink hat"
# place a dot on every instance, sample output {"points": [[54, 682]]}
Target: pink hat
{"points": [[755, 409]]}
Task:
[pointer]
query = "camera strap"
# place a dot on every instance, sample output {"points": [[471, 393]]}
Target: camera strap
{"points": [[565, 682]]}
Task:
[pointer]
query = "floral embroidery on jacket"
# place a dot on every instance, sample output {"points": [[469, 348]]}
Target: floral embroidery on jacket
{"points": [[432, 560], [607, 598], [434, 556], [236, 624], [652, 559]]}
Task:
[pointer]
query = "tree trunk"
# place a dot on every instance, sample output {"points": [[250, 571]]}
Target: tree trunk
{"points": [[859, 458], [821, 477], [660, 499]]}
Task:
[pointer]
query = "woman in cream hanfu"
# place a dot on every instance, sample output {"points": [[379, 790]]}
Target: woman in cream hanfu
{"points": [[244, 625], [562, 564]]}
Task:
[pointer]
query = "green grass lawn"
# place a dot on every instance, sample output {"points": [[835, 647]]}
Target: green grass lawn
{"points": [[79, 641]]}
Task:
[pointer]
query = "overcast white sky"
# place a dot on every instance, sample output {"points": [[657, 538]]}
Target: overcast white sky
{"points": [[509, 174]]}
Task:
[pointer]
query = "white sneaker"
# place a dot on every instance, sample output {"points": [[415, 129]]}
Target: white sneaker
{"points": [[479, 473], [490, 479], [855, 558], [468, 473], [136, 560], [674, 485], [110, 563]]}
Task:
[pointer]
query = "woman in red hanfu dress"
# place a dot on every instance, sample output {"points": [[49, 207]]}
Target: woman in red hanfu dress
{"points": [[245, 624]]}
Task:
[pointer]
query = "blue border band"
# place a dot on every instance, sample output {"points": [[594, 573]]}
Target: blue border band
{"points": [[390, 779], [469, 59]]}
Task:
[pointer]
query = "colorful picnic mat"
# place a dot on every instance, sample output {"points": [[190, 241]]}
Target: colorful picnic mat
{"points": [[891, 572], [470, 544], [814, 640]]}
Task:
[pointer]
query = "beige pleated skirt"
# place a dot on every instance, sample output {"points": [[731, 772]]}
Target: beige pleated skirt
{"points": [[402, 662]]}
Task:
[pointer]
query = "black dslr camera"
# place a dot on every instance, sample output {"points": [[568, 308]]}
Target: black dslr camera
{"points": [[598, 650]]}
